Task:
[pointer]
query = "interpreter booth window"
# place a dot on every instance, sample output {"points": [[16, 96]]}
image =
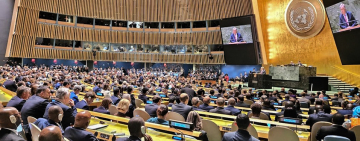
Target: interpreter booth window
{"points": [[102, 22], [133, 24], [167, 25], [201, 49], [183, 25], [102, 47], [214, 23], [66, 18], [152, 25], [87, 46], [199, 24], [78, 44], [82, 20], [63, 43], [44, 41], [152, 48], [119, 23], [189, 49], [216, 47], [181, 49], [169, 49], [138, 48], [47, 15], [118, 47]]}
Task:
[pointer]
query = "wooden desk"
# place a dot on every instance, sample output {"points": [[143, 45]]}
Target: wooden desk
{"points": [[263, 131], [147, 124], [123, 128], [350, 28], [5, 95]]}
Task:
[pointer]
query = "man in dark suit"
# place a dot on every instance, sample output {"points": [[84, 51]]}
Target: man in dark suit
{"points": [[151, 108], [347, 108], [97, 87], [235, 36], [320, 115], [88, 99], [135, 126], [241, 102], [115, 98], [8, 129], [346, 18], [220, 107], [242, 122], [78, 132], [336, 129], [206, 106], [55, 116], [182, 108], [10, 84], [311, 98], [190, 92], [196, 103], [63, 100], [143, 96], [51, 133], [35, 106], [231, 108], [22, 94]]}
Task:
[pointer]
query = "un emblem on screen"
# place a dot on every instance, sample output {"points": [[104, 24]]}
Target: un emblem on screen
{"points": [[305, 18]]}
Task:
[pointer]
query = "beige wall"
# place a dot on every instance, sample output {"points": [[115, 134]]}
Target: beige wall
{"points": [[281, 46]]}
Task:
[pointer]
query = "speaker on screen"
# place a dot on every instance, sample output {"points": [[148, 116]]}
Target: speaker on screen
{"points": [[344, 19], [239, 39]]}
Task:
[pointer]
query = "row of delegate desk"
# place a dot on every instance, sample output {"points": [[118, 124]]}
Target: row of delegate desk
{"points": [[221, 120]]}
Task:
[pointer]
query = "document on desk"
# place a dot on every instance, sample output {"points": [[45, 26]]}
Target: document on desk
{"points": [[97, 126]]}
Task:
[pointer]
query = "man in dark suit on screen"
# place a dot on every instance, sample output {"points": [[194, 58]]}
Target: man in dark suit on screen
{"points": [[347, 19], [235, 36]]}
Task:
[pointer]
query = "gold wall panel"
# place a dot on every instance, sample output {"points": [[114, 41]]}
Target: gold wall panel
{"points": [[319, 51]]}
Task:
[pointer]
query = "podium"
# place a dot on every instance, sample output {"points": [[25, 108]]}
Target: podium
{"points": [[260, 81], [291, 76]]}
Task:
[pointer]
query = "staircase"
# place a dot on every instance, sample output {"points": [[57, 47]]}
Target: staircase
{"points": [[338, 84]]}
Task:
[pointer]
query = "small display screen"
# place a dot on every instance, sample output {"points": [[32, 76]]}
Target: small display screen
{"points": [[177, 138], [149, 102], [180, 125], [212, 101], [213, 97], [162, 95], [256, 98], [290, 120], [158, 90], [100, 94]]}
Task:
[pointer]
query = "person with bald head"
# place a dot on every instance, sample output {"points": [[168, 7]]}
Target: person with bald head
{"points": [[55, 116], [231, 103], [220, 107], [78, 131], [66, 103], [51, 133], [8, 129], [320, 115], [182, 108], [35, 106], [136, 126], [206, 106]]}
